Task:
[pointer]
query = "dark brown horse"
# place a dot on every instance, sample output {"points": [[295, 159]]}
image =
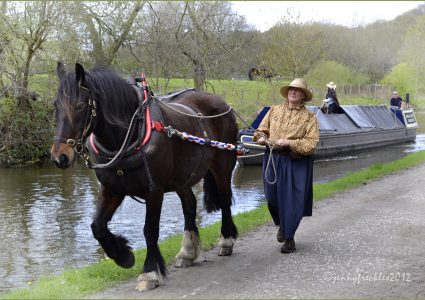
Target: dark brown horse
{"points": [[101, 103]]}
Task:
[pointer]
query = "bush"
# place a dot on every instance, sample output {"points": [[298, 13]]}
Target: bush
{"points": [[25, 136]]}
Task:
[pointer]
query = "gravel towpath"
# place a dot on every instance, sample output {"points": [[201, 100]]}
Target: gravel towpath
{"points": [[363, 243]]}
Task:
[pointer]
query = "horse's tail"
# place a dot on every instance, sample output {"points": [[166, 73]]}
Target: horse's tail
{"points": [[211, 194], [216, 199]]}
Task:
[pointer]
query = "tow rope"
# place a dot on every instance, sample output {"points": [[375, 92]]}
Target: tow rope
{"points": [[205, 142]]}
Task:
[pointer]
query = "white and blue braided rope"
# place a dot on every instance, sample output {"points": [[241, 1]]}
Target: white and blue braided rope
{"points": [[201, 141]]}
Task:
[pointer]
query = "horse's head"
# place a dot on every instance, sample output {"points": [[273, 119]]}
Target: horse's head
{"points": [[74, 113]]}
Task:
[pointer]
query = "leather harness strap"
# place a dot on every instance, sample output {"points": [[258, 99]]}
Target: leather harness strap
{"points": [[195, 113]]}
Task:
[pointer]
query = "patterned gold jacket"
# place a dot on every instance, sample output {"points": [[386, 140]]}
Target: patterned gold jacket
{"points": [[298, 125]]}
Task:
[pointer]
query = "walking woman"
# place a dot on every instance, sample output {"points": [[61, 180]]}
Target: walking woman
{"points": [[291, 133]]}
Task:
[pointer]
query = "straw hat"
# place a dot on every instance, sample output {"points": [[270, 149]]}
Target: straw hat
{"points": [[331, 85], [300, 84]]}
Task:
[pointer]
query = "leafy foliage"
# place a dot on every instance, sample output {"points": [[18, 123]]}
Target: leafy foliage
{"points": [[25, 135], [292, 48], [403, 78], [326, 71], [413, 55]]}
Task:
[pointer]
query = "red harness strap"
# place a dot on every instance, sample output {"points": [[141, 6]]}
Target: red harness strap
{"points": [[150, 125], [148, 129], [158, 126]]}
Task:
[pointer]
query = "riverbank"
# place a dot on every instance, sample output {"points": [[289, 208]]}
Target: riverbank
{"points": [[79, 282], [362, 243]]}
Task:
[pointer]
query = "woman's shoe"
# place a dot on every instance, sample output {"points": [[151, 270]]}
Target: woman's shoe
{"points": [[288, 246]]}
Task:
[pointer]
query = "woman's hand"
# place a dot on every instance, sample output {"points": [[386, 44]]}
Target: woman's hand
{"points": [[282, 142], [262, 140]]}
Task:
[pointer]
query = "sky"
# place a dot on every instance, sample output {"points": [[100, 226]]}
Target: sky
{"points": [[264, 14]]}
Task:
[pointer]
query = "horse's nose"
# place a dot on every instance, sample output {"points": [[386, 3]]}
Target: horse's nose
{"points": [[63, 161], [62, 155]]}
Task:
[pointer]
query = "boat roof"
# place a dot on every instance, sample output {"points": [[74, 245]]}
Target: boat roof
{"points": [[356, 118], [353, 118]]}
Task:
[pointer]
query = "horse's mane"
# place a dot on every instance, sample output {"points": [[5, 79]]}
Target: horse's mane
{"points": [[116, 99]]}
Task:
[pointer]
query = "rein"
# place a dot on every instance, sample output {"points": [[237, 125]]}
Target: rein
{"points": [[118, 155], [138, 116], [200, 115], [271, 144]]}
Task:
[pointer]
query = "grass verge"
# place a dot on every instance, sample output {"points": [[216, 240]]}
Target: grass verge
{"points": [[77, 283]]}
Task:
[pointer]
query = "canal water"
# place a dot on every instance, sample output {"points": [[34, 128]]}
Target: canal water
{"points": [[45, 213]]}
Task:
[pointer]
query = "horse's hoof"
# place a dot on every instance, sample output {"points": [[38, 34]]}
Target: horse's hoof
{"points": [[183, 263], [147, 282], [225, 246], [146, 285], [127, 261], [225, 251]]}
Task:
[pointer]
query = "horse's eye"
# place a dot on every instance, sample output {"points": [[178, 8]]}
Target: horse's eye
{"points": [[80, 107]]}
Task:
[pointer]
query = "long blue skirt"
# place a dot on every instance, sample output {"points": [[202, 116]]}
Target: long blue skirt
{"points": [[291, 197]]}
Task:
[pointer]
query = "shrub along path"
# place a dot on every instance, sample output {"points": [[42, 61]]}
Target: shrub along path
{"points": [[366, 242]]}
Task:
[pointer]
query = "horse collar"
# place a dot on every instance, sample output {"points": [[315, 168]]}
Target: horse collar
{"points": [[129, 156]]}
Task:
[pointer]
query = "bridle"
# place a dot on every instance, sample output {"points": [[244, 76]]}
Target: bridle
{"points": [[78, 145]]}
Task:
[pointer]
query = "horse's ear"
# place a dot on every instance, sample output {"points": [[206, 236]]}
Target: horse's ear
{"points": [[80, 74], [60, 70]]}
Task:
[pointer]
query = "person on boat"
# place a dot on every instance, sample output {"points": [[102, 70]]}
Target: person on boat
{"points": [[291, 134], [331, 100], [404, 105], [396, 100]]}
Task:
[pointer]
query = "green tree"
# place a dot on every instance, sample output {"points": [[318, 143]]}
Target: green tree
{"points": [[4, 45], [29, 27], [404, 78], [152, 47], [202, 35], [413, 55], [292, 48], [107, 26], [326, 71]]}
